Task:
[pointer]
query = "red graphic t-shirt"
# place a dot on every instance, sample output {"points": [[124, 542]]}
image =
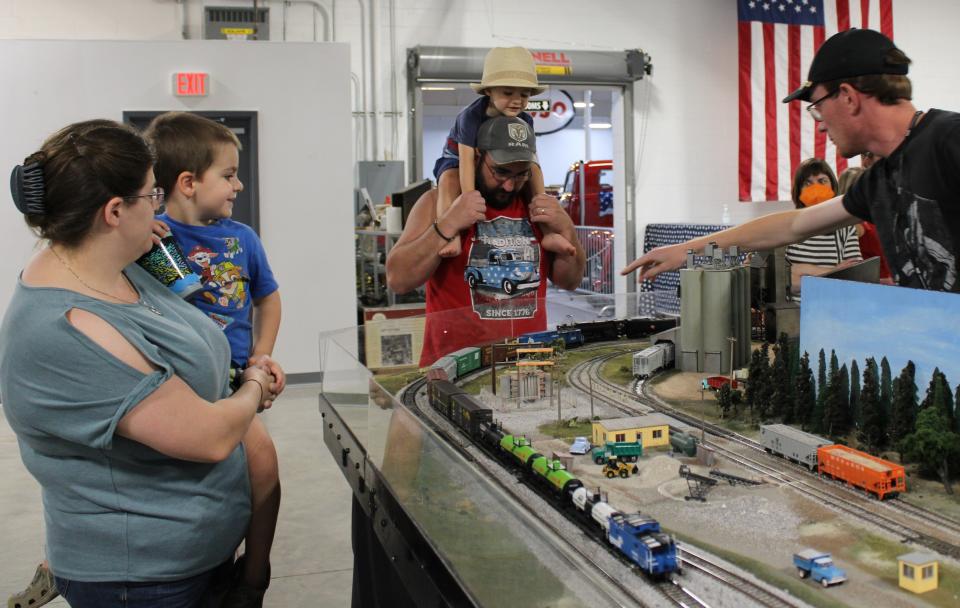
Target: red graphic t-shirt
{"points": [[494, 289]]}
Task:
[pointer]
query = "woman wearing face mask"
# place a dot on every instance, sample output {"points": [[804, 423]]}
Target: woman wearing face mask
{"points": [[813, 183]]}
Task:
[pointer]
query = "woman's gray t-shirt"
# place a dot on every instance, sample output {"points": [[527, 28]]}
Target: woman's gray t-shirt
{"points": [[115, 509]]}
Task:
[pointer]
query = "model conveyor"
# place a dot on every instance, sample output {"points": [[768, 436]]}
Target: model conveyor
{"points": [[699, 485]]}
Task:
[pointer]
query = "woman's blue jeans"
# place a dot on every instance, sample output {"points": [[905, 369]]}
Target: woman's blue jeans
{"points": [[193, 592]]}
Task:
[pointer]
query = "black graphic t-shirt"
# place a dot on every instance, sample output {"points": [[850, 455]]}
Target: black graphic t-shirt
{"points": [[913, 197]]}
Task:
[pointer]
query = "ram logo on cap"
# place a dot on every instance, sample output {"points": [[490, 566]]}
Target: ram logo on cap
{"points": [[518, 132]]}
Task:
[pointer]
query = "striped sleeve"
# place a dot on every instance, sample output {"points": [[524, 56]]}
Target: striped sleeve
{"points": [[822, 250], [851, 244]]}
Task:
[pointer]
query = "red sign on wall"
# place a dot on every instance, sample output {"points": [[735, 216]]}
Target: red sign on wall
{"points": [[190, 84]]}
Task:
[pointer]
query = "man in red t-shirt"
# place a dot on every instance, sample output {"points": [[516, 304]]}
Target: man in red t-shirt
{"points": [[497, 286]]}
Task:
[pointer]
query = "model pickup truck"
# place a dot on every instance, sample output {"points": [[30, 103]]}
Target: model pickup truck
{"points": [[503, 269], [818, 566]]}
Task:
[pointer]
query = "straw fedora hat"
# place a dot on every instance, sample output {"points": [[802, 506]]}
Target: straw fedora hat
{"points": [[509, 67]]}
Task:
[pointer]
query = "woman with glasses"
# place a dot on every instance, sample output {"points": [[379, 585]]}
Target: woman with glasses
{"points": [[118, 390], [814, 182]]}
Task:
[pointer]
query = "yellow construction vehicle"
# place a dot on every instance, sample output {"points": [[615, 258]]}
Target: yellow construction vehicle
{"points": [[615, 468]]}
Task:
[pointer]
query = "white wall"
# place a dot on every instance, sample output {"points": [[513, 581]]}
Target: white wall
{"points": [[686, 117], [305, 174]]}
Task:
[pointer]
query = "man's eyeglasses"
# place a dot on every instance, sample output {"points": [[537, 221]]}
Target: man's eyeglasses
{"points": [[815, 111], [501, 175]]}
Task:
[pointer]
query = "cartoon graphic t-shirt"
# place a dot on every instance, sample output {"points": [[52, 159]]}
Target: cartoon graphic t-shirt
{"points": [[234, 271], [494, 289]]}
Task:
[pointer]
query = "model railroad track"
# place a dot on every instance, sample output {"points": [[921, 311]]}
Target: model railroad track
{"points": [[408, 398], [610, 392], [926, 515], [702, 564], [678, 595], [579, 378]]}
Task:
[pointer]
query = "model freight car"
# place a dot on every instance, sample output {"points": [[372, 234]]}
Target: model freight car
{"points": [[468, 413], [555, 475], [468, 360], [876, 476], [652, 359], [599, 331], [571, 337], [503, 351], [449, 366], [643, 327], [441, 396], [793, 444]]}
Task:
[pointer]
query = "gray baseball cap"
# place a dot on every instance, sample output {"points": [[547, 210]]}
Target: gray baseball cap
{"points": [[507, 140]]}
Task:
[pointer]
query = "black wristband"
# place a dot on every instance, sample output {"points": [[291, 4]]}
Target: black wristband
{"points": [[436, 227]]}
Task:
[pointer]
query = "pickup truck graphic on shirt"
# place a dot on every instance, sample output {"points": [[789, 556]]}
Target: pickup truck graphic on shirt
{"points": [[503, 269]]}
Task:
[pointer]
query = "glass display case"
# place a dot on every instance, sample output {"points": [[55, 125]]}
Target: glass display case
{"points": [[454, 536]]}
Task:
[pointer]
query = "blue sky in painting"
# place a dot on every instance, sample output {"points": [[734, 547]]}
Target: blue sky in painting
{"points": [[860, 320]]}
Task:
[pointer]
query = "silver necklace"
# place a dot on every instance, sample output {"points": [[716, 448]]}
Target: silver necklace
{"points": [[139, 301]]}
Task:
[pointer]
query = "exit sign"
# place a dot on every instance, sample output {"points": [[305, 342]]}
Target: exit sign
{"points": [[190, 84]]}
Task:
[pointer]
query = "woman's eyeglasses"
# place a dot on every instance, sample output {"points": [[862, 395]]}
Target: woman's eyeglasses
{"points": [[156, 197]]}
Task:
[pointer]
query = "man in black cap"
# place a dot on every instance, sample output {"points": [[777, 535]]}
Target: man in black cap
{"points": [[496, 287], [859, 94]]}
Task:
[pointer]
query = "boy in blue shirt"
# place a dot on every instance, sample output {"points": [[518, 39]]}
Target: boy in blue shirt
{"points": [[197, 163]]}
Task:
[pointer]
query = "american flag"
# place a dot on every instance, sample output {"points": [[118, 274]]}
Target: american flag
{"points": [[777, 41]]}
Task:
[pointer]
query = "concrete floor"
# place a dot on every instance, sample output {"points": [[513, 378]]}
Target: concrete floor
{"points": [[312, 560]]}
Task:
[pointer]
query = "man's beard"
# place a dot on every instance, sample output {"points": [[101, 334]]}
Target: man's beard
{"points": [[496, 197]]}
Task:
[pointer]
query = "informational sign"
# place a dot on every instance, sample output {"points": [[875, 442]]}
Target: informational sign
{"points": [[552, 63], [558, 116], [190, 84], [538, 105]]}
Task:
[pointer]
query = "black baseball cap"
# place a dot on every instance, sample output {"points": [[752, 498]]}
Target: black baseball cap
{"points": [[848, 54], [507, 140]]}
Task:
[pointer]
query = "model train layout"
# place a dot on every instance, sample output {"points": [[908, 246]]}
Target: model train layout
{"points": [[638, 537]]}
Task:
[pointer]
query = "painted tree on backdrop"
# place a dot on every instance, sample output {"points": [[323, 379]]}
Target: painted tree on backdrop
{"points": [[843, 420], [855, 394], [836, 400], [903, 409], [940, 396], [816, 416], [803, 394], [934, 445], [872, 433], [886, 388]]}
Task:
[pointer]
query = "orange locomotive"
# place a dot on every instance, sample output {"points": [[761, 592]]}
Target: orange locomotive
{"points": [[869, 473]]}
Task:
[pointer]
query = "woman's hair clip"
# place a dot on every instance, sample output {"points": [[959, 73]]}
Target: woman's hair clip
{"points": [[27, 188]]}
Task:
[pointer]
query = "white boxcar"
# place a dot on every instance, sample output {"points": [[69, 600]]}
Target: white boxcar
{"points": [[792, 444], [652, 359], [447, 364]]}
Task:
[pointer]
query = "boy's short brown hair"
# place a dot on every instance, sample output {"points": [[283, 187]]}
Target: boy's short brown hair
{"points": [[185, 142]]}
